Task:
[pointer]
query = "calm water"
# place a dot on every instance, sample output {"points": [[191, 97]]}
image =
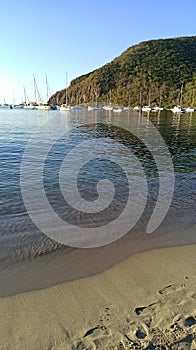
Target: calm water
{"points": [[20, 238]]}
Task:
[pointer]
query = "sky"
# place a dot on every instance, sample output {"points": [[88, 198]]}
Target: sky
{"points": [[75, 37]]}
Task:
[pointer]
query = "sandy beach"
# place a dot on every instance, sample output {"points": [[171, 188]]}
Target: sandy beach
{"points": [[139, 291], [146, 302]]}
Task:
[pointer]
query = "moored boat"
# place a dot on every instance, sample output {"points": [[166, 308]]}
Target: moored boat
{"points": [[65, 107], [137, 108], [77, 107], [177, 109], [146, 109], [189, 109], [93, 108], [118, 110], [108, 108], [157, 108], [31, 105], [44, 106], [19, 106]]}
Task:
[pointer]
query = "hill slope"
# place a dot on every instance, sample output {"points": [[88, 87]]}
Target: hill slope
{"points": [[155, 67]]}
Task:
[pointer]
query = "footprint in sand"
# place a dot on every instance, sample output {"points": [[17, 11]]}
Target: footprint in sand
{"points": [[164, 328], [158, 338], [106, 316], [136, 334], [164, 291], [82, 345], [98, 331], [139, 310], [140, 334], [171, 288], [190, 321], [95, 338]]}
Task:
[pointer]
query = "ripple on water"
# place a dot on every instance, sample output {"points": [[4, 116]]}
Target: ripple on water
{"points": [[20, 238]]}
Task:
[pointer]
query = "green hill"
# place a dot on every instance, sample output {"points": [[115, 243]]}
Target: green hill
{"points": [[155, 67]]}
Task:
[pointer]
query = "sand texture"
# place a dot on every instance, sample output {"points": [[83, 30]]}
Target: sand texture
{"points": [[145, 302]]}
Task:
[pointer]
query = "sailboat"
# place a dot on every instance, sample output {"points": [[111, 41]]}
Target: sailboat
{"points": [[30, 104], [27, 104], [178, 108], [128, 108], [65, 106], [45, 106], [191, 109], [147, 108], [6, 105], [94, 107], [118, 109], [108, 106], [158, 108], [16, 106], [138, 107]]}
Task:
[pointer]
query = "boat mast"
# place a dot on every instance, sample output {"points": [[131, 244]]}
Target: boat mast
{"points": [[26, 99], [160, 97], [193, 98], [36, 91], [140, 103], [47, 88], [66, 90], [110, 101], [149, 98], [14, 101], [96, 96], [180, 101], [129, 102]]}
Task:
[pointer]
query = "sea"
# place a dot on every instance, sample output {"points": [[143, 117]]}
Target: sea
{"points": [[40, 152]]}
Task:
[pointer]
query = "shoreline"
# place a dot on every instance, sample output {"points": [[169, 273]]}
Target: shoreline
{"points": [[131, 303], [70, 264]]}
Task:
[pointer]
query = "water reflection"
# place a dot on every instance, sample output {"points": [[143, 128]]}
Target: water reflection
{"points": [[178, 131]]}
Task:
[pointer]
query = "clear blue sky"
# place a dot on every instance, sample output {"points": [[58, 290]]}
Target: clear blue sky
{"points": [[55, 37]]}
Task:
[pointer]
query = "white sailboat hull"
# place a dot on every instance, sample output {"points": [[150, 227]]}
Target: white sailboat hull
{"points": [[118, 110], [65, 107], [108, 108], [177, 109], [44, 107], [189, 109], [146, 109]]}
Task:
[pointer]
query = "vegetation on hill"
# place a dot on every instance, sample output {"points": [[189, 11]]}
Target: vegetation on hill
{"points": [[155, 68]]}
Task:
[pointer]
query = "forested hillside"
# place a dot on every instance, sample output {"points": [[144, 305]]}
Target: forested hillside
{"points": [[157, 68]]}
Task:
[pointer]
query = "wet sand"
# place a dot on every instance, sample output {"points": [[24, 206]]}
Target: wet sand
{"points": [[68, 263], [145, 302]]}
